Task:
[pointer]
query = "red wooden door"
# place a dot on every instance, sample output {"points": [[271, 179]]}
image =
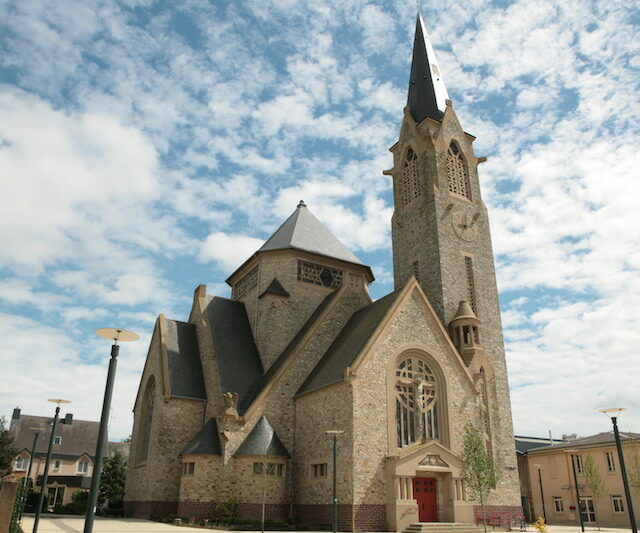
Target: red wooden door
{"points": [[424, 491]]}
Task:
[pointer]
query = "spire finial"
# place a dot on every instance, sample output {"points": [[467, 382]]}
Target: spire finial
{"points": [[302, 204]]}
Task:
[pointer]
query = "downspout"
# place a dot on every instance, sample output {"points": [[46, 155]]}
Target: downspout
{"points": [[291, 463]]}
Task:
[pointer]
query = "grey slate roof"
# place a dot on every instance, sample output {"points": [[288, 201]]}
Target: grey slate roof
{"points": [[348, 344], [183, 354], [421, 99], [262, 441], [303, 231], [524, 444], [206, 442], [237, 358], [275, 287], [78, 437], [606, 437]]}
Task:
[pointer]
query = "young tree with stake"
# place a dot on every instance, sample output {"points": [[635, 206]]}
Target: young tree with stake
{"points": [[478, 472], [594, 483]]}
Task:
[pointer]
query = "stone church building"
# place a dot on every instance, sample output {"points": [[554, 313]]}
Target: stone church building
{"points": [[234, 403]]}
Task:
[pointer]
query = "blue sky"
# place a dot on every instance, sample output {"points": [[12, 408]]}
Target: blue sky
{"points": [[147, 147]]}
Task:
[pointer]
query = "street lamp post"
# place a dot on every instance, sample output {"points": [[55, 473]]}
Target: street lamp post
{"points": [[27, 479], [45, 475], [613, 414], [575, 481], [335, 433], [115, 335], [544, 510]]}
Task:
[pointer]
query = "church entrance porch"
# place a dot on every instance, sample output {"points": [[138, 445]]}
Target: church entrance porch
{"points": [[424, 487], [424, 492]]}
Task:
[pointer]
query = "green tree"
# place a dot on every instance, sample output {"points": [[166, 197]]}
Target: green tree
{"points": [[114, 473], [478, 472], [7, 451], [594, 483]]}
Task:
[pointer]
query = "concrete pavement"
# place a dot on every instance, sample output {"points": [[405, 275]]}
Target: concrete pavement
{"points": [[75, 524]]}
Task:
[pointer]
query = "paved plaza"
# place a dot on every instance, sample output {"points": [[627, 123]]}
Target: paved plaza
{"points": [[73, 524]]}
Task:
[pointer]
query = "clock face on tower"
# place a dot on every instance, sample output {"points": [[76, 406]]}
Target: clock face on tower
{"points": [[464, 224]]}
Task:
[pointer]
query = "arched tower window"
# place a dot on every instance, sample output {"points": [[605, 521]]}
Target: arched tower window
{"points": [[146, 417], [418, 395], [457, 172], [410, 177]]}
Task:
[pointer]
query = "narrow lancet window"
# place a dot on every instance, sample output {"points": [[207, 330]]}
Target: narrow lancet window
{"points": [[417, 395], [146, 417], [410, 177], [457, 172]]}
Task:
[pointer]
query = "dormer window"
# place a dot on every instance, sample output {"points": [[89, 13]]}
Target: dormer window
{"points": [[410, 177], [22, 463], [457, 173], [320, 275], [83, 467], [57, 440]]}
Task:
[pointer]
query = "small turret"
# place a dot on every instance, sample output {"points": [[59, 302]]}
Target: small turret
{"points": [[465, 332]]}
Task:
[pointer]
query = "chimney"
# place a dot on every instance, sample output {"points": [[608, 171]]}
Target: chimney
{"points": [[68, 419], [16, 414]]}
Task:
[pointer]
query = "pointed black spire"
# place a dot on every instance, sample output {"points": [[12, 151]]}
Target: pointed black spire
{"points": [[427, 92]]}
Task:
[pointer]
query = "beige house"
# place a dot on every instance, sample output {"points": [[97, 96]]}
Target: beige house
{"points": [[73, 453], [72, 459], [235, 403], [555, 470]]}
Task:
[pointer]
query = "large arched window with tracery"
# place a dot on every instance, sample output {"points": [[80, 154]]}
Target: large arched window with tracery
{"points": [[146, 417], [457, 173], [410, 177], [418, 395]]}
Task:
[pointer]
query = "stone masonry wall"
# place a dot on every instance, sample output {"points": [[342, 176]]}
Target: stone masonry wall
{"points": [[173, 425], [276, 320], [318, 412], [412, 326]]}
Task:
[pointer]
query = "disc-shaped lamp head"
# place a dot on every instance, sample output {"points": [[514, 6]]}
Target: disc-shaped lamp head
{"points": [[117, 335]]}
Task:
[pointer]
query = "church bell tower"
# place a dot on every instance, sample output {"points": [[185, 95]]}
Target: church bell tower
{"points": [[440, 233], [440, 228]]}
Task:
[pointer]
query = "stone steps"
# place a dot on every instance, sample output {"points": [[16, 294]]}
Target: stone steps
{"points": [[443, 527]]}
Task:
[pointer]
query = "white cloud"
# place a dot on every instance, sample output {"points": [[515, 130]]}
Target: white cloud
{"points": [[228, 250]]}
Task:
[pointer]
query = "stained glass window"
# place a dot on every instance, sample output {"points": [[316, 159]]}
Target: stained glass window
{"points": [[457, 173], [410, 177], [416, 402]]}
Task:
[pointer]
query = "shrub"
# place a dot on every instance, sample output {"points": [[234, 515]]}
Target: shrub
{"points": [[227, 512]]}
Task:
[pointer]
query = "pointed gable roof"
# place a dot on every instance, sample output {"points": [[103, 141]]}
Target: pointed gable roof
{"points": [[427, 91], [262, 441], [275, 287], [206, 442], [303, 231]]}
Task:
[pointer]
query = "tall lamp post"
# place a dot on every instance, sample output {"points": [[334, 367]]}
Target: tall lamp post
{"points": [[27, 479], [544, 510], [575, 481], [613, 414], [45, 475], [335, 433], [115, 335]]}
